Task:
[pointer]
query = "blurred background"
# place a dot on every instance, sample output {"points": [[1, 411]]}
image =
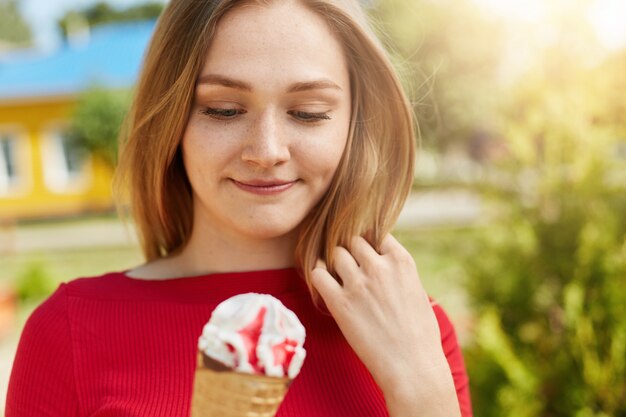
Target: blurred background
{"points": [[517, 218]]}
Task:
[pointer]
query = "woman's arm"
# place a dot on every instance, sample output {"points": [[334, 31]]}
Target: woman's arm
{"points": [[42, 378], [387, 317]]}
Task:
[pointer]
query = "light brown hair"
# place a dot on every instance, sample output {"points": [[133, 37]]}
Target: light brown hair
{"points": [[372, 180]]}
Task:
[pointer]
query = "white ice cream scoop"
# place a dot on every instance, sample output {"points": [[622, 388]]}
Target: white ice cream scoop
{"points": [[256, 334]]}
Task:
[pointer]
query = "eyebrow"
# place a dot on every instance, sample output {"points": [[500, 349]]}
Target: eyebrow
{"points": [[313, 85], [213, 79]]}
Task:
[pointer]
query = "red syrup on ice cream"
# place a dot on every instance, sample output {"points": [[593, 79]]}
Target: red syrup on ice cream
{"points": [[250, 334]]}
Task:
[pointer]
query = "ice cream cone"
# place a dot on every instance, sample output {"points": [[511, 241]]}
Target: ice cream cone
{"points": [[248, 353], [221, 392]]}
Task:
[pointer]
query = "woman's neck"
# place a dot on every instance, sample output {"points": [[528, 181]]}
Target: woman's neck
{"points": [[221, 252], [214, 249]]}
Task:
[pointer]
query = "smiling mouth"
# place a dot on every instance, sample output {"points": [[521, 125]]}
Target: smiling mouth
{"points": [[263, 187]]}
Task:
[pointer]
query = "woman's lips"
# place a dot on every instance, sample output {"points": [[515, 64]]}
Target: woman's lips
{"points": [[264, 187]]}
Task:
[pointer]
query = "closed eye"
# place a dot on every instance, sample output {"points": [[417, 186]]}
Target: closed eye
{"points": [[222, 114], [308, 117]]}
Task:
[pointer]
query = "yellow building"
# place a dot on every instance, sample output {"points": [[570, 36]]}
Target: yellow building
{"points": [[41, 175]]}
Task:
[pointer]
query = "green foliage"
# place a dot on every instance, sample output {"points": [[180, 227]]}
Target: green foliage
{"points": [[13, 28], [548, 278], [453, 51], [34, 283], [97, 120], [103, 13]]}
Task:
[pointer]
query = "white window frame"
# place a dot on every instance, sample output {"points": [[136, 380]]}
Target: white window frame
{"points": [[57, 177], [19, 184]]}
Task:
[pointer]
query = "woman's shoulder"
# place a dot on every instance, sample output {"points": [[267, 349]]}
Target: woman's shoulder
{"points": [[82, 286], [49, 322], [60, 304], [93, 286]]}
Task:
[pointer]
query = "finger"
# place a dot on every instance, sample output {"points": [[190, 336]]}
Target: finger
{"points": [[362, 251], [389, 244], [345, 265], [326, 285], [320, 263]]}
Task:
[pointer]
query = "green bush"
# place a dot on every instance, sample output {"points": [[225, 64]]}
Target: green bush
{"points": [[547, 279], [97, 121], [34, 283]]}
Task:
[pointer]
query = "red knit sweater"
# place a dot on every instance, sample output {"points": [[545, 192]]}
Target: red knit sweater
{"points": [[117, 346]]}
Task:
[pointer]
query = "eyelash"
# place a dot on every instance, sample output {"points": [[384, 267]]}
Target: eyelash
{"points": [[221, 114], [307, 117], [227, 114]]}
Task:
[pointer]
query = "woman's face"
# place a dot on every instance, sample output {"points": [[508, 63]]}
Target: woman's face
{"points": [[269, 123]]}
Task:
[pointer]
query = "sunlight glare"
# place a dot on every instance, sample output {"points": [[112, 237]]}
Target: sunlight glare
{"points": [[529, 11], [608, 18]]}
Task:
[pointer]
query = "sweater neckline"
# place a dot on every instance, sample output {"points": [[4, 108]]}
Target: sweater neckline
{"points": [[274, 271], [222, 284]]}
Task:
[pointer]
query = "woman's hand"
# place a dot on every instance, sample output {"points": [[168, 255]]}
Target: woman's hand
{"points": [[386, 316]]}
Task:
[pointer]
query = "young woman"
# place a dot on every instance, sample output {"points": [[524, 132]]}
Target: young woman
{"points": [[269, 149]]}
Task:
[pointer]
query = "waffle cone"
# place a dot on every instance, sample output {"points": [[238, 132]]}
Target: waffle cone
{"points": [[226, 393]]}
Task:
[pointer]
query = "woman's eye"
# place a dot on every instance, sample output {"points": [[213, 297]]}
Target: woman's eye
{"points": [[309, 117], [222, 114]]}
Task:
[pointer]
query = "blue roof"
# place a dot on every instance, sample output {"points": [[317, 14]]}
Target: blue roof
{"points": [[111, 58]]}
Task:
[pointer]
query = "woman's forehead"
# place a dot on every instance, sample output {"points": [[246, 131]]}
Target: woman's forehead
{"points": [[284, 40]]}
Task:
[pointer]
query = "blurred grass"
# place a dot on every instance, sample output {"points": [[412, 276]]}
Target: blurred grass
{"points": [[63, 265], [436, 253], [66, 264]]}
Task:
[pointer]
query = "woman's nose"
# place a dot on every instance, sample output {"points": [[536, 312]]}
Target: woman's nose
{"points": [[265, 144]]}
